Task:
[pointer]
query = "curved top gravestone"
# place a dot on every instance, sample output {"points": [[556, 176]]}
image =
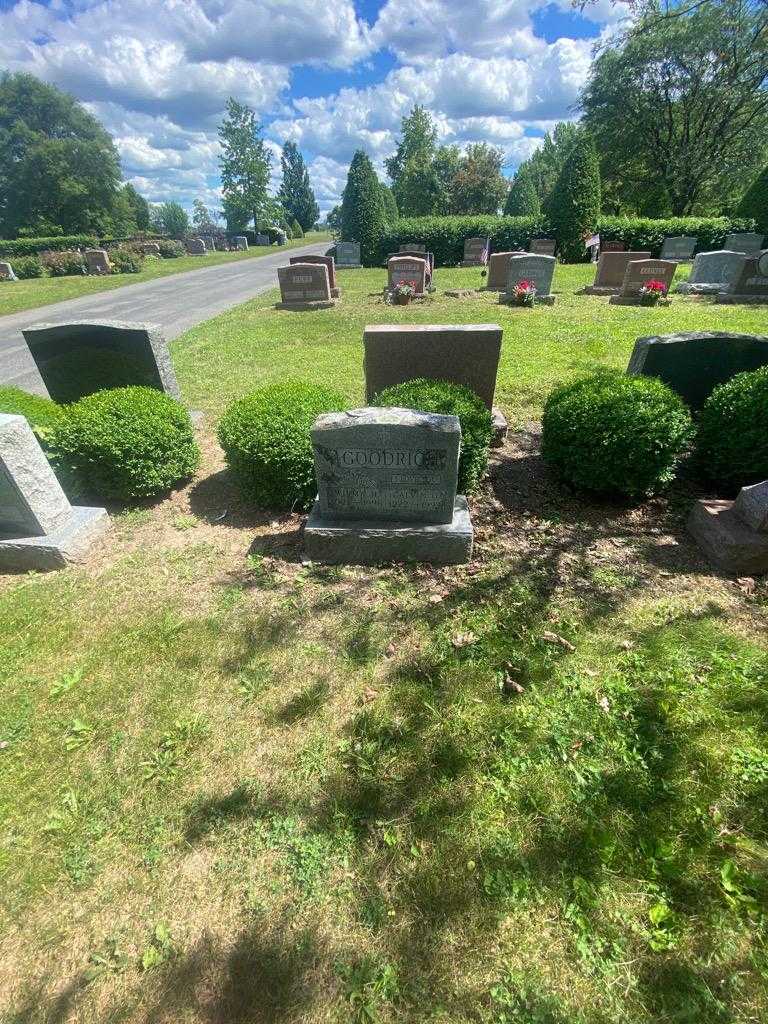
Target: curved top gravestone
{"points": [[694, 363]]}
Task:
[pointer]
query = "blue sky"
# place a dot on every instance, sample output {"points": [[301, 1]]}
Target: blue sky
{"points": [[333, 75]]}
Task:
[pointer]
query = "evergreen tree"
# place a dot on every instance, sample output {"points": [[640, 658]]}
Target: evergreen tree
{"points": [[522, 198], [245, 164], [410, 168], [575, 203], [296, 195], [754, 203], [362, 208], [390, 204]]}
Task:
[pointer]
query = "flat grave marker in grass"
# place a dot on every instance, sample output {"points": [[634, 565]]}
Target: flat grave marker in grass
{"points": [[387, 489], [78, 358], [694, 363], [39, 529]]}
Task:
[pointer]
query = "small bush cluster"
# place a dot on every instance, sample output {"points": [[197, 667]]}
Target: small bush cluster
{"points": [[126, 443], [126, 260], [440, 396], [266, 441], [33, 246], [615, 434], [65, 263], [170, 249], [41, 413], [732, 440], [25, 267]]}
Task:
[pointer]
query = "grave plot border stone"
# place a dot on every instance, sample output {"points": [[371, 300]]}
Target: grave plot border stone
{"points": [[604, 262], [56, 533], [296, 306], [693, 363]]}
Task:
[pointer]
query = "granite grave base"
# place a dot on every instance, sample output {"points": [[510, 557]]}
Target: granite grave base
{"points": [[727, 299], [727, 540], [541, 300], [460, 293], [634, 300], [300, 307], [688, 288], [353, 542], [593, 289], [70, 543]]}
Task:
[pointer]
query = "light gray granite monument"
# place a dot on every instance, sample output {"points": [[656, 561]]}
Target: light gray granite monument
{"points": [[748, 242], [678, 247], [196, 247], [78, 358], [713, 272], [532, 267], [543, 246], [240, 243], [694, 363], [751, 286], [348, 255], [476, 252], [39, 529], [304, 286], [97, 261], [734, 534], [6, 272], [387, 489]]}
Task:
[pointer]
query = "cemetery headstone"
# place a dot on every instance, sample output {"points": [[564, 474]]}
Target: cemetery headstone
{"points": [[498, 269], [97, 261], [543, 246], [613, 245], [420, 254], [262, 239], [734, 534], [196, 247], [241, 243], [78, 358], [638, 274], [408, 270], [475, 252], [412, 247], [387, 489], [304, 286], [150, 248], [751, 286], [694, 363], [678, 247], [348, 255], [465, 354], [6, 272], [611, 269], [713, 272], [748, 242], [39, 529], [323, 261], [538, 269]]}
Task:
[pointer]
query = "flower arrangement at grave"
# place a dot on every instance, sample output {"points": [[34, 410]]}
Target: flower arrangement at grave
{"points": [[652, 291], [402, 292], [524, 293]]}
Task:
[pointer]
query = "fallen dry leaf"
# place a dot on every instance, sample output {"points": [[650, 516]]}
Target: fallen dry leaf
{"points": [[626, 645], [464, 639], [604, 705], [435, 598], [554, 638], [390, 651], [746, 585], [369, 694], [511, 686]]}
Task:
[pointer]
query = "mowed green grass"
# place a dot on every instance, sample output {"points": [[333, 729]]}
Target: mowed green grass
{"points": [[235, 787], [35, 292]]}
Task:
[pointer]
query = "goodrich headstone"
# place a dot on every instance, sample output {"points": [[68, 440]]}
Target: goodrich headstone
{"points": [[97, 261], [538, 269], [304, 286], [39, 529], [611, 269], [78, 358], [713, 272], [387, 489], [465, 354], [751, 286], [638, 274], [322, 261], [693, 364], [748, 242], [678, 247], [498, 269]]}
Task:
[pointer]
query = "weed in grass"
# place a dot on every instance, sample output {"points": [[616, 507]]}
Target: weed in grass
{"points": [[78, 864], [173, 750], [65, 683], [79, 734], [130, 518], [254, 680], [368, 987], [109, 959], [185, 522], [159, 949], [63, 817], [517, 1000]]}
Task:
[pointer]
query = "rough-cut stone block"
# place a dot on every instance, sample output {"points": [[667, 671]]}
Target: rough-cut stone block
{"points": [[694, 363], [70, 543], [196, 247], [726, 540], [83, 356], [465, 354], [366, 543], [751, 506]]}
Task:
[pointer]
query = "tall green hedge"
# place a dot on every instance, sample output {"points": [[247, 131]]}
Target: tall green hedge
{"points": [[754, 203], [444, 236], [31, 246], [574, 206]]}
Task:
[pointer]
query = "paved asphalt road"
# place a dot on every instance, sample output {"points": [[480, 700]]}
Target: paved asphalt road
{"points": [[176, 303]]}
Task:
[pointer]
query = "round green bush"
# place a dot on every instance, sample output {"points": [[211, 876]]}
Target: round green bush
{"points": [[170, 249], [126, 261], [266, 441], [41, 413], [615, 434], [25, 267], [127, 443], [440, 396], [732, 441]]}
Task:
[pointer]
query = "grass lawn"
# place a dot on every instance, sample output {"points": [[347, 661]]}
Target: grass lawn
{"points": [[238, 788], [35, 292]]}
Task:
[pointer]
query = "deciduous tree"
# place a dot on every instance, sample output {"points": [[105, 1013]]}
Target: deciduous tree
{"points": [[245, 164]]}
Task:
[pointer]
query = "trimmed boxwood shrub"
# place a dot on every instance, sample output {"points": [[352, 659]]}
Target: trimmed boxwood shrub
{"points": [[125, 260], [732, 441], [265, 437], [615, 434], [41, 413], [451, 400], [170, 249], [31, 246], [126, 443], [25, 267]]}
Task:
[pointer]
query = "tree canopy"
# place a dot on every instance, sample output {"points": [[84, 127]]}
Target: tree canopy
{"points": [[171, 219], [245, 164], [296, 195]]}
